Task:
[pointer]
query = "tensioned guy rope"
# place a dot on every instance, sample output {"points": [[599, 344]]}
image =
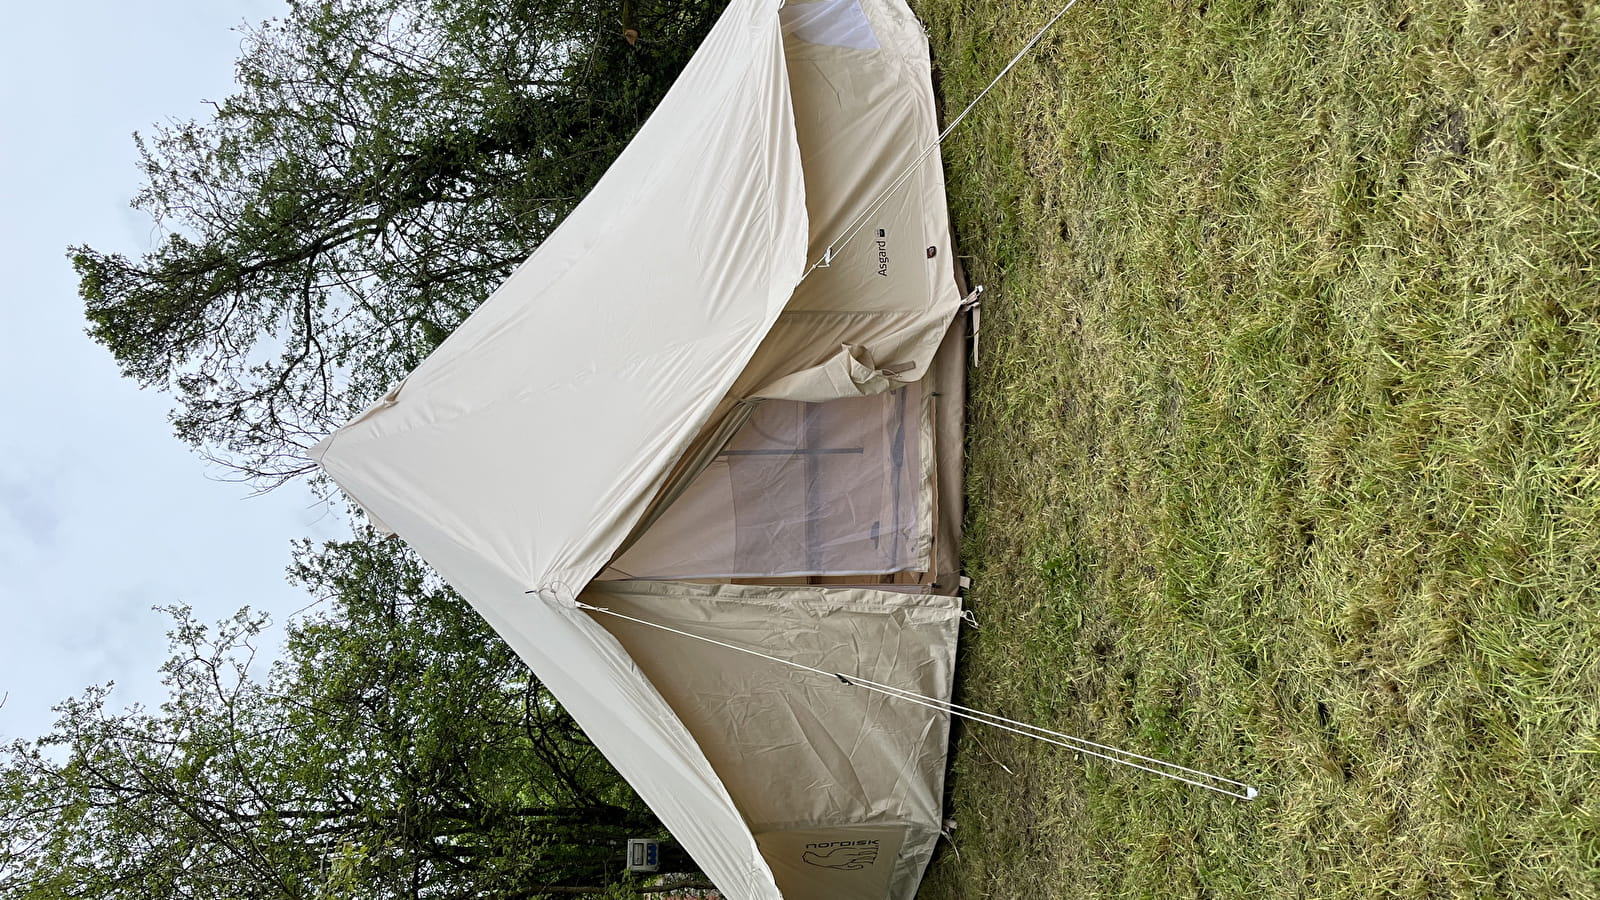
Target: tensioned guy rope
{"points": [[1184, 774], [1195, 777], [860, 221]]}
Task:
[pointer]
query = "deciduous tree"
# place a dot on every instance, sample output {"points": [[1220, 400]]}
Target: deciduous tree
{"points": [[398, 750], [382, 166]]}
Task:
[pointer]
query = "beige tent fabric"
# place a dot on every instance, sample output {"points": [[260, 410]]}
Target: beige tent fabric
{"points": [[519, 456], [848, 373], [862, 118], [885, 299], [521, 452], [808, 759]]}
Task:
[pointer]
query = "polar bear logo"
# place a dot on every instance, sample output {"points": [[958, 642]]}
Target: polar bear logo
{"points": [[852, 858]]}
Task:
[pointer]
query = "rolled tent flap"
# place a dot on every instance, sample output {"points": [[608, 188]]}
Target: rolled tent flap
{"points": [[848, 373]]}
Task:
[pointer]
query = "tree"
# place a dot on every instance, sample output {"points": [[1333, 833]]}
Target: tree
{"points": [[384, 164], [398, 750]]}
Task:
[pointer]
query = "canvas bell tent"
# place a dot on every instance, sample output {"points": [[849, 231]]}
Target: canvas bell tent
{"points": [[689, 473]]}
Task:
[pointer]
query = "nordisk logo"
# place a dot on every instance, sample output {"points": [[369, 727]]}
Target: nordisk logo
{"points": [[883, 253], [851, 855]]}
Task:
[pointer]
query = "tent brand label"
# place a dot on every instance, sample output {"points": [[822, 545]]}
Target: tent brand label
{"points": [[848, 855], [883, 253]]}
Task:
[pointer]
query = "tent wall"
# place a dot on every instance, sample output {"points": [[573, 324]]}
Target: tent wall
{"points": [[874, 315], [813, 764], [697, 535], [521, 452], [538, 431], [863, 118]]}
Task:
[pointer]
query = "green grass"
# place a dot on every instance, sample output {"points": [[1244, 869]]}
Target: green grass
{"points": [[1284, 455]]}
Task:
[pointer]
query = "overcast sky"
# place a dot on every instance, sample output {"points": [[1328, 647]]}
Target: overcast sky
{"points": [[103, 513]]}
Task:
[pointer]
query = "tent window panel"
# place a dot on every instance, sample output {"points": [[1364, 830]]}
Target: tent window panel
{"points": [[835, 23], [803, 489]]}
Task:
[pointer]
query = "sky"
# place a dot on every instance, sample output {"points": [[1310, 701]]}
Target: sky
{"points": [[103, 513]]}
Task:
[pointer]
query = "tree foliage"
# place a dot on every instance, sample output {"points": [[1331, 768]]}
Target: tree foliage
{"points": [[398, 749], [383, 165]]}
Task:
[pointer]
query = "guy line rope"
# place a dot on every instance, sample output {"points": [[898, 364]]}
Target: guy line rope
{"points": [[860, 220], [1184, 774], [1195, 777]]}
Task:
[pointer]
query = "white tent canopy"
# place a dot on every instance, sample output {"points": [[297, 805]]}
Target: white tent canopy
{"points": [[663, 358]]}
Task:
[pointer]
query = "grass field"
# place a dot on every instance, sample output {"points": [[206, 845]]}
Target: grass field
{"points": [[1285, 446]]}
